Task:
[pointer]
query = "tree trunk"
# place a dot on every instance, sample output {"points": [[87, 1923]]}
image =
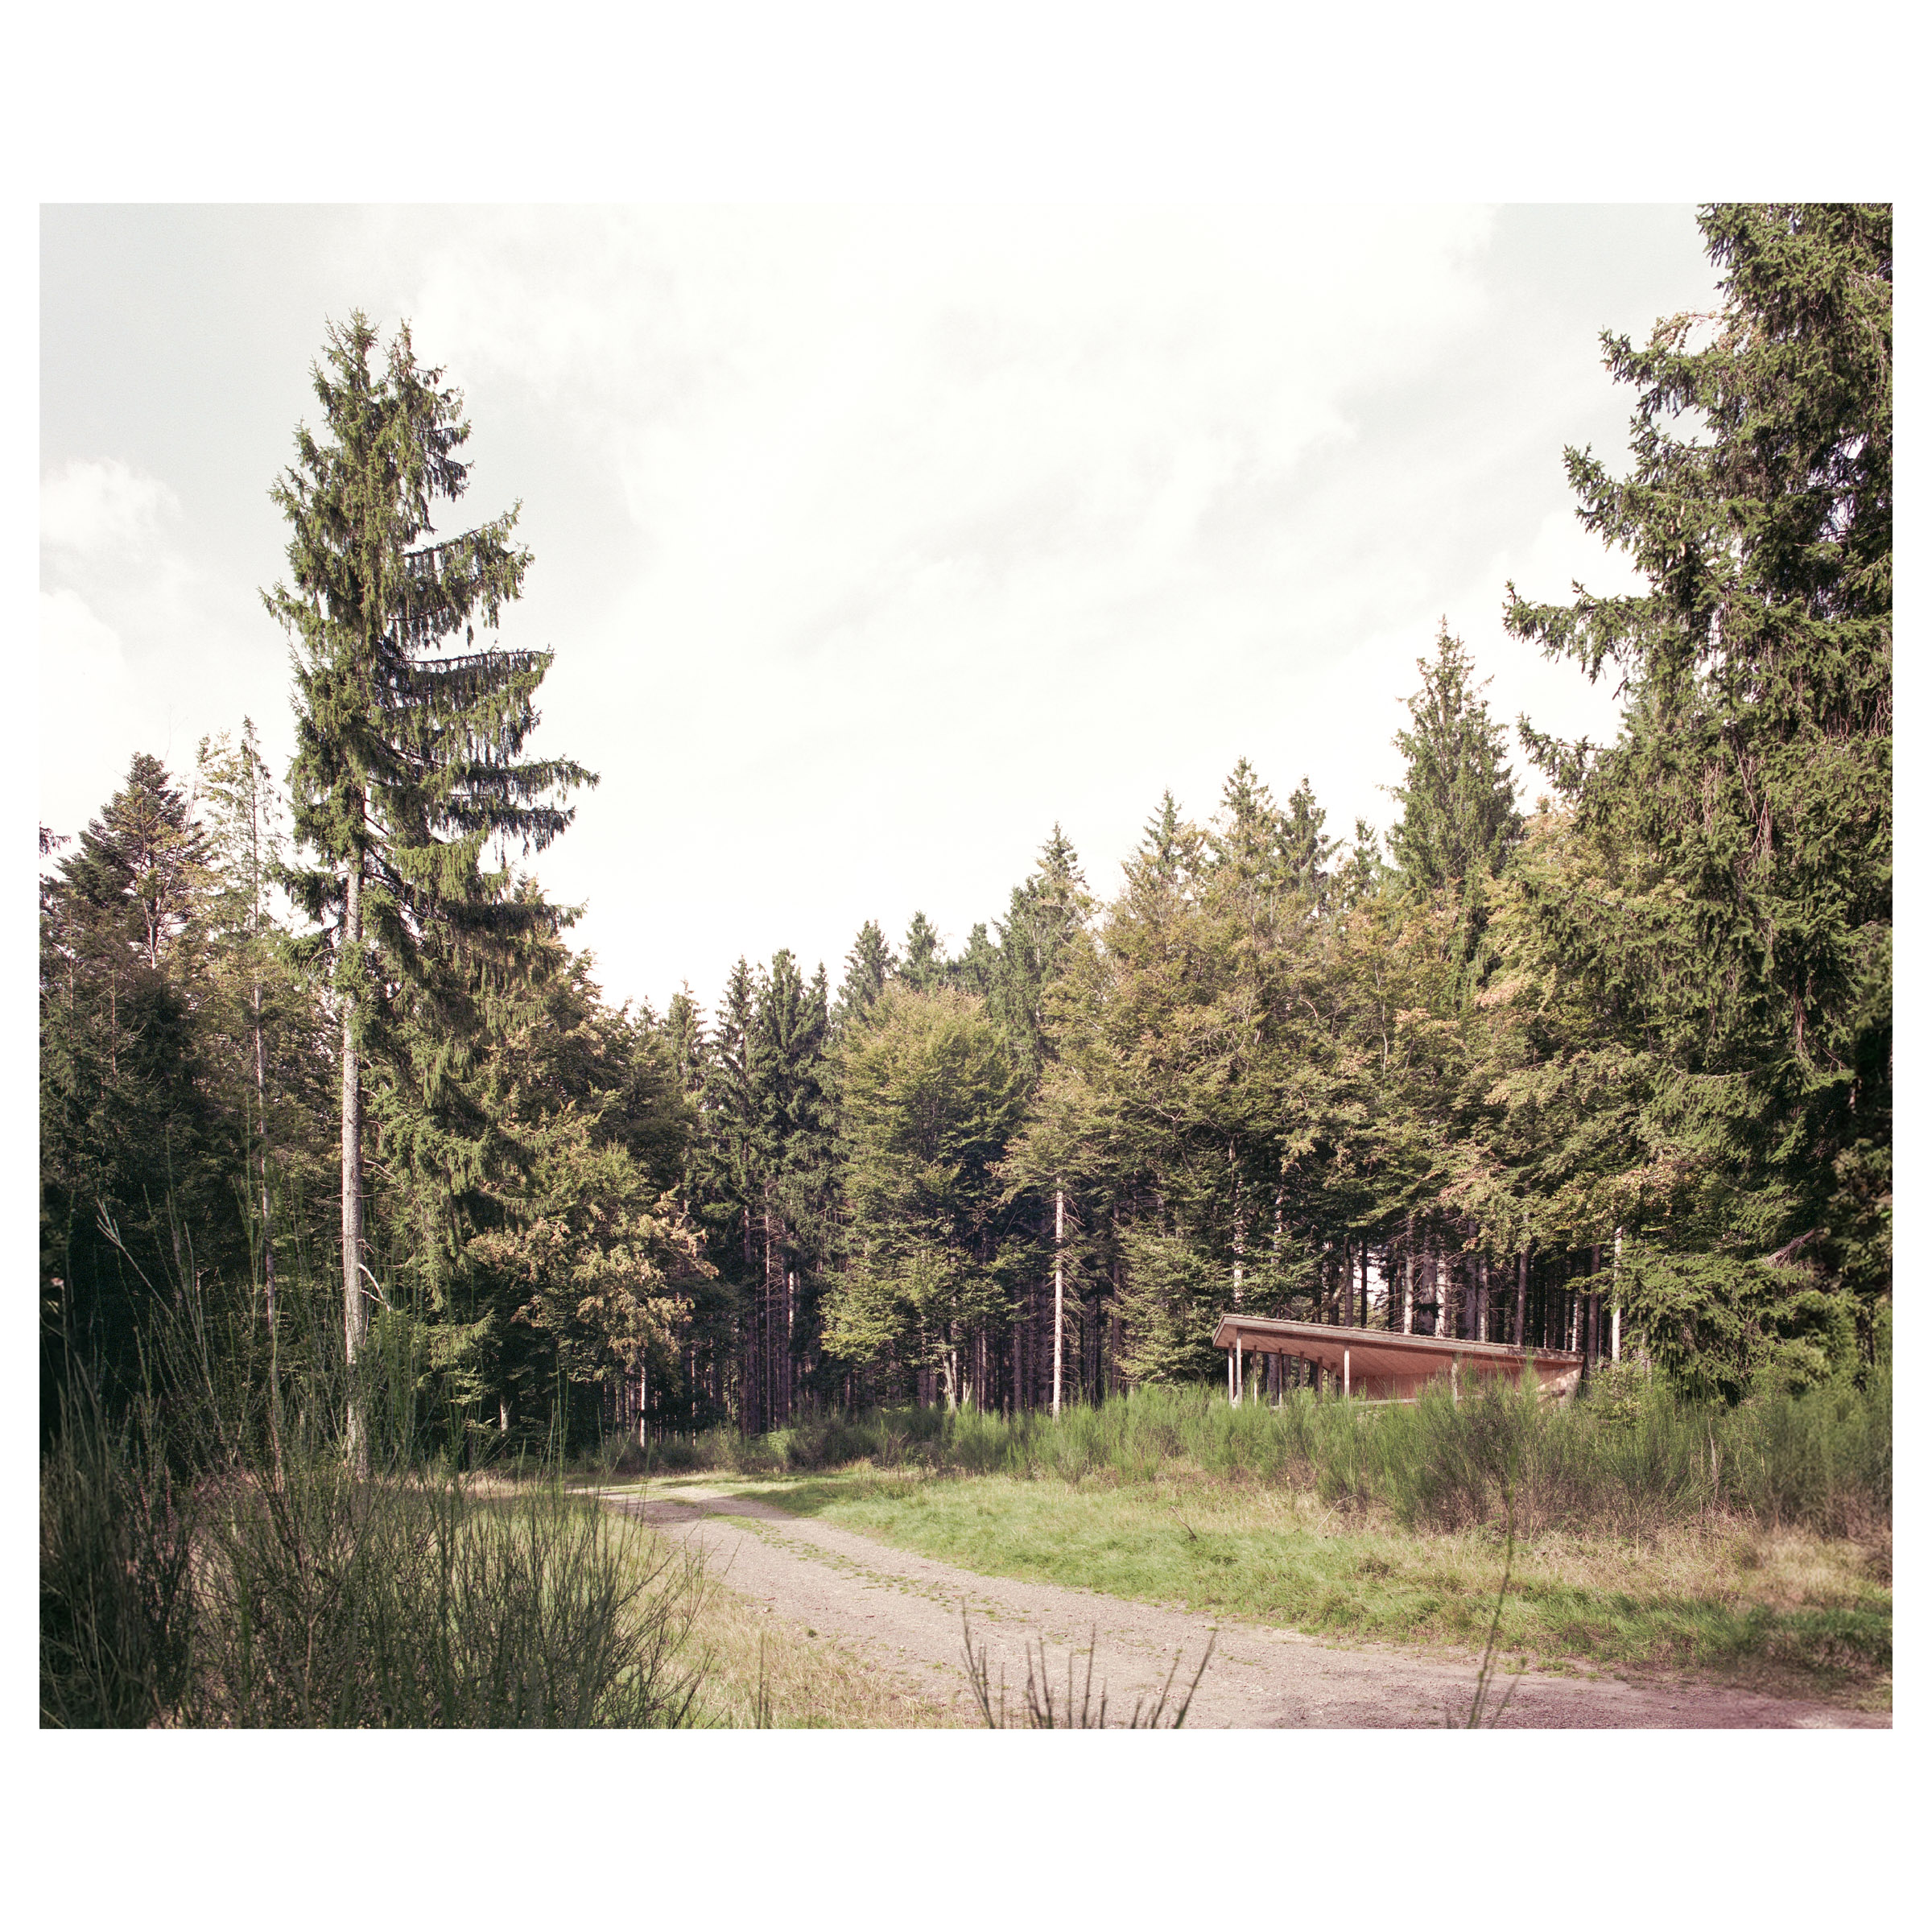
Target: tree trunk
{"points": [[1522, 1294], [355, 1309], [1240, 1244], [1409, 1280], [1060, 1235], [1616, 1298], [1019, 1360]]}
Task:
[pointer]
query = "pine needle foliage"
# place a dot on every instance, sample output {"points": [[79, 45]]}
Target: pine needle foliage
{"points": [[409, 757], [1733, 903]]}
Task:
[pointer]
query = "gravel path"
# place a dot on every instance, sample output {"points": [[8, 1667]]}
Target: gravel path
{"points": [[901, 1614]]}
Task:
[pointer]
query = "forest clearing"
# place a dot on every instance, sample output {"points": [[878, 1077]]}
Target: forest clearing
{"points": [[429, 1337], [1597, 1545]]}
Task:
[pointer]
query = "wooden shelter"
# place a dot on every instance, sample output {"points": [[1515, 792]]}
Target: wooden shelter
{"points": [[1379, 1365]]}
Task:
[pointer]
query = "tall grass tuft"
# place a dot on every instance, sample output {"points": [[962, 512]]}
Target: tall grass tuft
{"points": [[1632, 1457], [117, 1557], [325, 1601], [207, 1558]]}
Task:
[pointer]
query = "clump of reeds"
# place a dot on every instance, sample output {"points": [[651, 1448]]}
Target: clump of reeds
{"points": [[1044, 1709]]}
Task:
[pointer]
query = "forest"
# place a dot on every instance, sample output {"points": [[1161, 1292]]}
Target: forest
{"points": [[1607, 1068]]}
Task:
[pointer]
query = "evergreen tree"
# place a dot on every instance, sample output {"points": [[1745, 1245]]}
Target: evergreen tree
{"points": [[684, 1035], [135, 1202], [923, 966], [1170, 853], [1044, 915], [930, 1097], [262, 1010], [410, 754], [1732, 892], [868, 967], [1458, 815], [1306, 848], [976, 970], [794, 1158]]}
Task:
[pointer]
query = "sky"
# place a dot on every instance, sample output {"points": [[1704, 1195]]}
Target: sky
{"points": [[872, 542]]}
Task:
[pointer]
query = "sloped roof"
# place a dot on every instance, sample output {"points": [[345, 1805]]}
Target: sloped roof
{"points": [[1377, 1351]]}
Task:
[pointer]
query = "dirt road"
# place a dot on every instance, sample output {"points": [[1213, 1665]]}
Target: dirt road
{"points": [[901, 1614]]}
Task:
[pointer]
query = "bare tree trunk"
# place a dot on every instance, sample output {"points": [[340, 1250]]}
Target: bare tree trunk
{"points": [[1409, 1280], [1060, 1235], [355, 1308], [1019, 1360], [1241, 1243], [749, 1419], [1616, 1298], [1592, 1335], [1522, 1294]]}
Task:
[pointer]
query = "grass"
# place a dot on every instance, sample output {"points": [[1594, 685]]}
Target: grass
{"points": [[1632, 1459], [1786, 1611]]}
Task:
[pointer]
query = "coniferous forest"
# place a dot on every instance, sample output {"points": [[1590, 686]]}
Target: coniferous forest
{"points": [[1606, 1067]]}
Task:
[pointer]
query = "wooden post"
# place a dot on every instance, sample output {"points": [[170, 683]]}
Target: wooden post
{"points": [[1344, 1373], [1231, 1356]]}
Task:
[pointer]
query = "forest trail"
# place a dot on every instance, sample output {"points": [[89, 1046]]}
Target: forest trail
{"points": [[901, 1614]]}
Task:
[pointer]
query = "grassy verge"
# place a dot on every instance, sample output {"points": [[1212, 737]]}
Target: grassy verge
{"points": [[1785, 1611]]}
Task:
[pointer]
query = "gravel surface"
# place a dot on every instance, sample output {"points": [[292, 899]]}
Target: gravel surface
{"points": [[902, 1615]]}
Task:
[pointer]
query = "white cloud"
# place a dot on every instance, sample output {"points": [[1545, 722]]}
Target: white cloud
{"points": [[872, 541], [100, 510], [86, 697]]}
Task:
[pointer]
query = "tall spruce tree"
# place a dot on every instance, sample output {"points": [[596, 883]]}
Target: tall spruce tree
{"points": [[410, 739], [1734, 906], [1458, 822], [868, 967], [924, 968], [1458, 817]]}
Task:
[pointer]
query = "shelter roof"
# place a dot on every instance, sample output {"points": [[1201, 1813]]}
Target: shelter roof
{"points": [[1377, 1351]]}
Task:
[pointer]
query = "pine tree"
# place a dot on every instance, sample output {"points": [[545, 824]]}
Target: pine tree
{"points": [[1306, 848], [409, 753], [1732, 895], [789, 1090], [1044, 915], [930, 1098], [1458, 816], [923, 966], [239, 800], [134, 1204], [868, 967]]}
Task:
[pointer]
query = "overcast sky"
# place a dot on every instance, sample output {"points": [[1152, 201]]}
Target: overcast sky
{"points": [[870, 543]]}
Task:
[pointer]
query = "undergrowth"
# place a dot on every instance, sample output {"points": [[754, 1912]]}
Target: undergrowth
{"points": [[1630, 1459]]}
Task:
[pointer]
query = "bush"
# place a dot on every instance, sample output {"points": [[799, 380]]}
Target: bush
{"points": [[297, 1595], [331, 1602]]}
